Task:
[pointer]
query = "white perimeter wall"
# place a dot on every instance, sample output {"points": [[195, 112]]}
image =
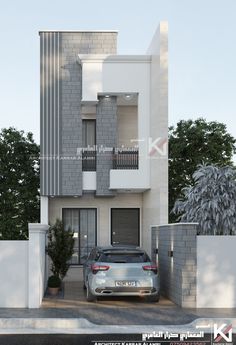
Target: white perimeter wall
{"points": [[216, 271], [22, 270], [14, 274]]}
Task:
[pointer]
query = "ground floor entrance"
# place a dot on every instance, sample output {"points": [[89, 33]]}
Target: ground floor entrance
{"points": [[124, 228]]}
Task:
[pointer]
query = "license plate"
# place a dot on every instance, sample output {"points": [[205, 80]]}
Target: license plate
{"points": [[126, 283]]}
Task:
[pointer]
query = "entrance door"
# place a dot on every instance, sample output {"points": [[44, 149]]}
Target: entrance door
{"points": [[84, 224], [125, 226]]}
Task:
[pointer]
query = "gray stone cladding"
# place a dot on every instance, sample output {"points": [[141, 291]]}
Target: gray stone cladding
{"points": [[177, 273], [71, 88], [106, 133], [65, 102]]}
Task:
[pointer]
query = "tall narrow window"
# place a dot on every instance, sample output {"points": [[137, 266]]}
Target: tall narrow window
{"points": [[89, 133]]}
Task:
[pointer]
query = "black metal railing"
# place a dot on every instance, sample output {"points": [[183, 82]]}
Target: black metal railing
{"points": [[125, 158], [89, 158]]}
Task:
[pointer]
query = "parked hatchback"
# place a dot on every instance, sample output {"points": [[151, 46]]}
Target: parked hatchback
{"points": [[120, 271]]}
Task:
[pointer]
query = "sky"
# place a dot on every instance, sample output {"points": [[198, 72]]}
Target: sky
{"points": [[202, 51]]}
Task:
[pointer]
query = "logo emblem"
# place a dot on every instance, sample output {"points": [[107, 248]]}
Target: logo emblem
{"points": [[223, 332]]}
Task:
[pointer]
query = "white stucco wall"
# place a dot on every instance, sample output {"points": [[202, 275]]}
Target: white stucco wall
{"points": [[44, 209], [127, 121], [147, 76], [36, 263], [155, 200], [14, 274], [22, 270], [117, 74], [216, 272], [89, 180], [132, 75]]}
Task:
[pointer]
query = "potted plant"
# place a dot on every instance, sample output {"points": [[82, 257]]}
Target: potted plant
{"points": [[60, 248], [54, 284]]}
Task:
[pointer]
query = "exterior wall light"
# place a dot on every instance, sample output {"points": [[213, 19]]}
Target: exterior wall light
{"points": [[128, 97], [107, 96], [170, 253]]}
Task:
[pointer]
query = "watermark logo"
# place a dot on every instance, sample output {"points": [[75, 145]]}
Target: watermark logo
{"points": [[157, 146], [223, 333]]}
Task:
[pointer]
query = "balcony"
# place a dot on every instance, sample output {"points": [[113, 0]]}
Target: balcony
{"points": [[129, 172], [126, 173], [125, 159], [89, 158], [122, 159]]}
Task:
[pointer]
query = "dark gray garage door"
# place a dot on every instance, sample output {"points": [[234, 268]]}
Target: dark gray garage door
{"points": [[125, 226]]}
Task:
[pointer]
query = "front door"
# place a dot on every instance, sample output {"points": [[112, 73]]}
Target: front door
{"points": [[125, 226], [84, 224]]}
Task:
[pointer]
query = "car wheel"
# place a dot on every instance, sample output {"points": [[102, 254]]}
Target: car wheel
{"points": [[89, 296], [153, 298]]}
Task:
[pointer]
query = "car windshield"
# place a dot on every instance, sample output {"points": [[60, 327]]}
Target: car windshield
{"points": [[124, 257]]}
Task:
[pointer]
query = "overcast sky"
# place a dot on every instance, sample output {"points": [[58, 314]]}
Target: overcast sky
{"points": [[202, 51]]}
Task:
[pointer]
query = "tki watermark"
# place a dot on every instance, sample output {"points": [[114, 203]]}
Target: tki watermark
{"points": [[223, 333]]}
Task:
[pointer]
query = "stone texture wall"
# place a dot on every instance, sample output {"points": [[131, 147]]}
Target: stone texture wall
{"points": [[61, 84], [106, 140], [177, 273], [72, 45]]}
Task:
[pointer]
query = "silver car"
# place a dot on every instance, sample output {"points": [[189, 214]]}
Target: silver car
{"points": [[120, 271]]}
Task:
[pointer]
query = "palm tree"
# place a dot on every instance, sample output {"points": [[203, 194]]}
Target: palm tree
{"points": [[211, 201]]}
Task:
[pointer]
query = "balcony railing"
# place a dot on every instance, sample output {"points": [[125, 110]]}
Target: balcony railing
{"points": [[122, 159], [125, 158], [89, 158]]}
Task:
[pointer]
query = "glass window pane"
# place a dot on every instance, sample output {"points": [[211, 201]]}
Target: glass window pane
{"points": [[88, 133], [83, 223], [87, 232]]}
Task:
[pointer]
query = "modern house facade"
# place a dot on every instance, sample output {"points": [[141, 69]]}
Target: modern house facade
{"points": [[104, 129]]}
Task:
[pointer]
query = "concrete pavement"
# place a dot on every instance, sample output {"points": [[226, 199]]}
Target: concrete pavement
{"points": [[115, 311]]}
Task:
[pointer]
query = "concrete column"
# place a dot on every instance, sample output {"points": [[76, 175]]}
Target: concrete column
{"points": [[44, 210], [106, 136], [36, 263]]}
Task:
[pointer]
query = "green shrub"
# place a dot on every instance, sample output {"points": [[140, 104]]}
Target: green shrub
{"points": [[54, 281], [60, 248]]}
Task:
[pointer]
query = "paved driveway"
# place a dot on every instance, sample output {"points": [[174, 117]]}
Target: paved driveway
{"points": [[115, 311]]}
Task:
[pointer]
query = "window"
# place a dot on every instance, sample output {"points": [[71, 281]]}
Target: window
{"points": [[89, 133], [84, 224], [124, 257]]}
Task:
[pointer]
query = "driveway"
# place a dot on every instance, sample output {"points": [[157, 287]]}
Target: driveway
{"points": [[115, 311]]}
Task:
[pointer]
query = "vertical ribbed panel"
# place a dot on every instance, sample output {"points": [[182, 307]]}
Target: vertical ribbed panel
{"points": [[50, 113]]}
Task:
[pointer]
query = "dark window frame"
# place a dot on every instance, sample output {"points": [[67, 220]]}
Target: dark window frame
{"points": [[95, 129], [79, 209]]}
